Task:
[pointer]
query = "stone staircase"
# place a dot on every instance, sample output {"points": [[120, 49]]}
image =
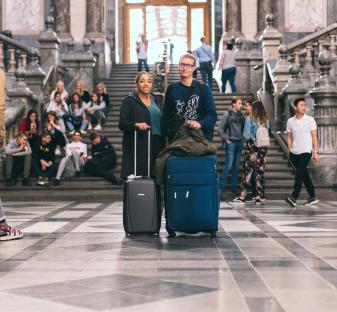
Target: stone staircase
{"points": [[278, 173]]}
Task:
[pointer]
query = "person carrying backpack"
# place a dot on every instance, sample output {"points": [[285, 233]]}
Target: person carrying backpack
{"points": [[256, 134], [231, 131]]}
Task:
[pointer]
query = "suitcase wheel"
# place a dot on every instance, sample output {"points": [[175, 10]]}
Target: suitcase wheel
{"points": [[213, 234], [171, 233]]}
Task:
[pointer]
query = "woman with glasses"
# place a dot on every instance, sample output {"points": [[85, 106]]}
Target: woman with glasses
{"points": [[140, 111]]}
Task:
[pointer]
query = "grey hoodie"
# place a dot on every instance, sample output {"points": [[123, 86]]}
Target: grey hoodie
{"points": [[14, 149], [236, 123]]}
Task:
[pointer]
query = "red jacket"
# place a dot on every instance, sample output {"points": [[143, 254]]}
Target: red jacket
{"points": [[23, 126]]}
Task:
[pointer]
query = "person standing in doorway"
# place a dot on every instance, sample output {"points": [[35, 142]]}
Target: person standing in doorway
{"points": [[141, 49], [230, 130], [302, 145], [206, 60], [228, 68]]}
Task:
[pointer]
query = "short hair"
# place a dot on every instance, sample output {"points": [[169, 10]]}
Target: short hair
{"points": [[190, 56], [93, 136], [77, 131], [56, 94], [202, 39], [45, 133], [234, 100], [21, 135], [298, 100]]}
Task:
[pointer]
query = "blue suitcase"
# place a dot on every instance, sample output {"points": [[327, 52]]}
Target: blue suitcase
{"points": [[192, 195]]}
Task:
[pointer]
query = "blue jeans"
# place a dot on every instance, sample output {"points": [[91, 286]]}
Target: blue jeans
{"points": [[233, 155], [140, 65], [228, 74]]}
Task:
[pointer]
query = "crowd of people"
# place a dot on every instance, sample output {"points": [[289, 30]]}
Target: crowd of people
{"points": [[44, 147]]}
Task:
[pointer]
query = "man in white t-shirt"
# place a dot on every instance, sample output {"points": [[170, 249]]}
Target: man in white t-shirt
{"points": [[302, 145], [77, 151]]}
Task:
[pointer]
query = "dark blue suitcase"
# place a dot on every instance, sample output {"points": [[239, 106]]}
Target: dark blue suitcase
{"points": [[192, 195]]}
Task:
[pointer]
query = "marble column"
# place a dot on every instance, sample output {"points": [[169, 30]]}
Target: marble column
{"points": [[61, 12], [94, 24], [233, 18], [265, 7]]}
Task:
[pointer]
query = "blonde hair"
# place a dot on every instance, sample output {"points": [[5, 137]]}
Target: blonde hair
{"points": [[101, 85], [58, 84], [190, 56], [80, 84]]}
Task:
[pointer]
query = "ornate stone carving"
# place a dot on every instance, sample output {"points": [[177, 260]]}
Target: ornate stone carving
{"points": [[94, 18], [265, 7]]}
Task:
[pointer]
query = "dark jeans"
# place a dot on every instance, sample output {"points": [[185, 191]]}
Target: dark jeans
{"points": [[140, 65], [301, 162], [15, 165], [48, 173], [233, 155], [206, 68], [228, 74], [101, 167]]}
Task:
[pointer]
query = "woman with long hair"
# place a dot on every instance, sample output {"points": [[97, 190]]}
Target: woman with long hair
{"points": [[104, 96], [140, 111], [31, 126], [255, 157], [75, 118], [60, 88], [56, 128], [94, 111], [82, 92]]}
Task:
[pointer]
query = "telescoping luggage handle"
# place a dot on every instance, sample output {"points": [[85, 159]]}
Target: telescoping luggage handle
{"points": [[148, 152]]}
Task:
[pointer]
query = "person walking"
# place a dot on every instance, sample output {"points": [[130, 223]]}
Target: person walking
{"points": [[228, 68], [140, 111], [206, 60], [230, 129], [6, 231], [189, 102], [142, 45], [302, 145], [255, 156]]}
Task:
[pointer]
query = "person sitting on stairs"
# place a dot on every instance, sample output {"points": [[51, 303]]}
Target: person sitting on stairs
{"points": [[77, 152], [18, 160], [95, 112], [102, 160]]}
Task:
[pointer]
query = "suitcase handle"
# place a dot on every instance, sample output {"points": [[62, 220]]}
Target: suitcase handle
{"points": [[148, 152]]}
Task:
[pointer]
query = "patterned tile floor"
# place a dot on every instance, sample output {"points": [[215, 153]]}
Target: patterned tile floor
{"points": [[75, 257]]}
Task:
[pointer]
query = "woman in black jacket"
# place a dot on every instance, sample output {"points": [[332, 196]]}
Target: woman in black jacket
{"points": [[139, 111]]}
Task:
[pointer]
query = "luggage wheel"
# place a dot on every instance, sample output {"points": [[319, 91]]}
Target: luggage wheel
{"points": [[171, 233], [213, 234]]}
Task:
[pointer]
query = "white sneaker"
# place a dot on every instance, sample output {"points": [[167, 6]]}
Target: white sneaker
{"points": [[10, 233], [83, 131], [90, 126], [72, 132], [57, 151], [98, 128]]}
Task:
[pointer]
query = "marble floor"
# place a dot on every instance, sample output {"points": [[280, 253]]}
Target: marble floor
{"points": [[75, 257]]}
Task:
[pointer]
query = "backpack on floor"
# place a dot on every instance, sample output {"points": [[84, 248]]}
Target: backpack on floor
{"points": [[262, 137]]}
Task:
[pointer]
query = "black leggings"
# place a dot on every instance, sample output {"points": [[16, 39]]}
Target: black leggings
{"points": [[101, 167]]}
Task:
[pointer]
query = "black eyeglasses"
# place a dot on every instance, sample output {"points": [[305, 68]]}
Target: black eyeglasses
{"points": [[187, 66]]}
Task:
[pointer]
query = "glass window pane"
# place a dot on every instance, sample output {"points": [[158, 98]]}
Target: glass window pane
{"points": [[163, 23], [197, 1], [136, 27], [197, 26]]}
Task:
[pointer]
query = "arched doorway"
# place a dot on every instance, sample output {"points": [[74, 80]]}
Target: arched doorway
{"points": [[181, 21]]}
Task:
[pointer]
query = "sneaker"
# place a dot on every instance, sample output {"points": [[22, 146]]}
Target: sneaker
{"points": [[237, 200], [291, 201], [98, 128], [72, 132], [77, 174], [56, 182], [253, 200], [26, 182], [57, 151], [311, 201], [83, 131], [90, 127], [45, 181], [9, 233], [10, 182], [40, 181]]}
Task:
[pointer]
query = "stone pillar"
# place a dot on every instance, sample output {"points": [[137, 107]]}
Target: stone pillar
{"points": [[233, 19], [61, 12], [271, 40], [94, 24], [255, 60], [325, 95], [295, 88], [281, 78], [80, 66], [49, 47], [242, 68], [265, 7]]}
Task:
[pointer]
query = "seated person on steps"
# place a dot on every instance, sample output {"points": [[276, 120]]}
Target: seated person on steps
{"points": [[18, 160], [77, 152]]}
